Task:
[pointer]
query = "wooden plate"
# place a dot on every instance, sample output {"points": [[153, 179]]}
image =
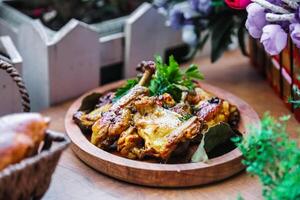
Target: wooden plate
{"points": [[155, 174]]}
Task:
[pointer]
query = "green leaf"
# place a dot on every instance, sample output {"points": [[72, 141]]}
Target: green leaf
{"points": [[170, 79], [240, 197], [213, 137], [89, 102], [241, 39], [193, 73], [173, 71], [123, 90], [221, 36], [217, 135], [186, 117], [200, 154], [203, 41]]}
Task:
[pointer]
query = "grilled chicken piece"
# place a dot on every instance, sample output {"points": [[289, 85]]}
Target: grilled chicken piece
{"points": [[87, 120], [161, 131], [166, 100], [119, 117], [213, 110], [130, 144], [106, 99], [112, 123], [141, 125]]}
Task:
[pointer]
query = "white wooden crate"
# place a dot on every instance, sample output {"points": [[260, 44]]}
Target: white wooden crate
{"points": [[62, 65], [10, 97], [57, 65]]}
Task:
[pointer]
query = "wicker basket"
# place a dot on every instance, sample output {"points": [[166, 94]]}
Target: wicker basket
{"points": [[30, 178]]}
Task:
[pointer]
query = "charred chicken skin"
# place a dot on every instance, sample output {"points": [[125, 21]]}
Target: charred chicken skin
{"points": [[118, 118], [160, 130], [140, 125]]}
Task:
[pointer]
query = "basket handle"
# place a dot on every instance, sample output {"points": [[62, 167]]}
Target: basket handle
{"points": [[14, 74], [52, 136]]}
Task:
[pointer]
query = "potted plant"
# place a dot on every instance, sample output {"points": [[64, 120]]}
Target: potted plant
{"points": [[275, 29], [207, 20]]}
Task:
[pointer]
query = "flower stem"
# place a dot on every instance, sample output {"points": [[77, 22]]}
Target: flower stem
{"points": [[271, 17]]}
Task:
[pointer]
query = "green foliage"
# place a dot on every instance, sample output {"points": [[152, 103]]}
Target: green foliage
{"points": [[171, 79], [167, 79], [214, 136], [186, 117], [123, 90], [273, 157], [220, 26], [224, 24], [218, 3], [295, 103]]}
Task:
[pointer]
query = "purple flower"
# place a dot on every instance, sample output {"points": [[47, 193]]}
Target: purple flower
{"points": [[176, 18], [181, 14], [295, 34], [203, 6], [256, 20], [274, 39]]}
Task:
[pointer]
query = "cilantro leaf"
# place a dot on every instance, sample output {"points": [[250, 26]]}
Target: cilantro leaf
{"points": [[167, 79], [193, 73], [171, 79], [123, 90]]}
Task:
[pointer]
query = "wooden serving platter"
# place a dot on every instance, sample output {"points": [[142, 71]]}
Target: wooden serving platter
{"points": [[156, 174]]}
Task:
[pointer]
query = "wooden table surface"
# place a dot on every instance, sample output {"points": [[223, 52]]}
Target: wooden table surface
{"points": [[75, 180]]}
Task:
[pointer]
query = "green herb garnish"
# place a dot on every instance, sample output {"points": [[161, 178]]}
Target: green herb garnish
{"points": [[123, 90], [167, 79], [186, 117], [171, 79], [273, 157]]}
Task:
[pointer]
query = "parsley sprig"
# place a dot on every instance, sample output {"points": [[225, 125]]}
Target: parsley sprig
{"points": [[273, 157], [168, 78], [123, 90], [171, 79]]}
